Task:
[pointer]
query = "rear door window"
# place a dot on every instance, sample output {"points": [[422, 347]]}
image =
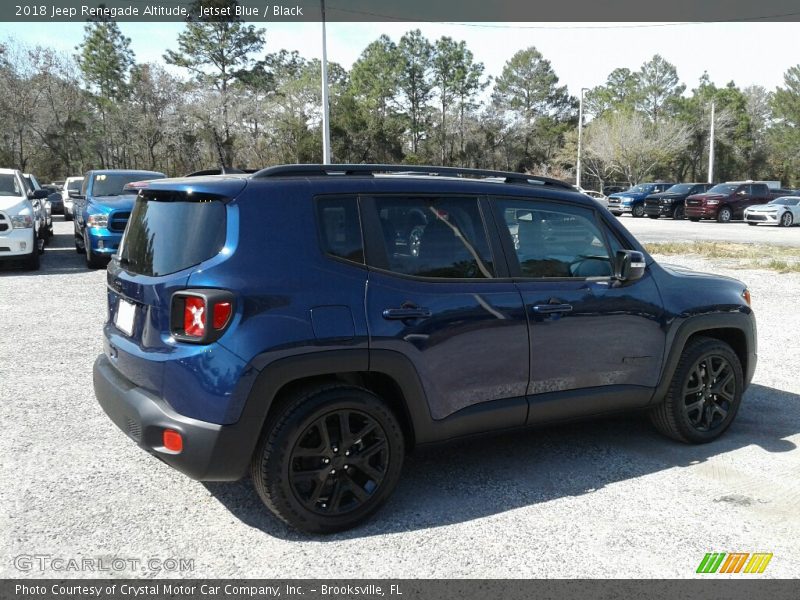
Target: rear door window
{"points": [[440, 237], [167, 233]]}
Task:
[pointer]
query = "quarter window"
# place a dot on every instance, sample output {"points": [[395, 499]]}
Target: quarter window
{"points": [[553, 240], [434, 237], [340, 228]]}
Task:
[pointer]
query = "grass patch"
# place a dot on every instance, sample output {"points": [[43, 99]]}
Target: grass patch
{"points": [[782, 259]]}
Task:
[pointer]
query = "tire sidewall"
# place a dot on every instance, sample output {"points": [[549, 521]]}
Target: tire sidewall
{"points": [[721, 215], [784, 222], [637, 211], [274, 466]]}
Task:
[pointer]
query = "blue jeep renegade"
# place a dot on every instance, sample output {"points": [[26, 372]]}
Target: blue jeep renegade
{"points": [[312, 323]]}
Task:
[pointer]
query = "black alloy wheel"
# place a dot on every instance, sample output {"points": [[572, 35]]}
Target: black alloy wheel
{"points": [[709, 392], [338, 462]]}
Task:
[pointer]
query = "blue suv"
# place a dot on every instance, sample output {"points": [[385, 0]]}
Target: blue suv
{"points": [[310, 324], [102, 208]]}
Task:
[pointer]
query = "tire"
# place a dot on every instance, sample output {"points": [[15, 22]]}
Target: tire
{"points": [[653, 216], [92, 260], [310, 504], [638, 211], [786, 220], [616, 214], [694, 219], [67, 216], [752, 224], [724, 214], [678, 213], [695, 422]]}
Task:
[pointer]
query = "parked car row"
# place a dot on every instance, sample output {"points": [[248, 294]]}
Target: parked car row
{"points": [[25, 218], [753, 201]]}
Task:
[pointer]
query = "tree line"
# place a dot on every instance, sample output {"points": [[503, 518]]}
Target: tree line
{"points": [[412, 101]]}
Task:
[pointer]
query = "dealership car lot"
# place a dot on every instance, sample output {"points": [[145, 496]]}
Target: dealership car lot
{"points": [[597, 499], [667, 230]]}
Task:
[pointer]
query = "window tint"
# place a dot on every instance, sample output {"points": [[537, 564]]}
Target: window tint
{"points": [[553, 240], [111, 184], [340, 228], [170, 232], [435, 237], [9, 186]]}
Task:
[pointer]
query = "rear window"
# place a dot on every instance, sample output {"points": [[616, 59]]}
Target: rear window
{"points": [[167, 233]]}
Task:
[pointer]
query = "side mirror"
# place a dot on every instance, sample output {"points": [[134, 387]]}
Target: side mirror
{"points": [[75, 195], [629, 265], [38, 194]]}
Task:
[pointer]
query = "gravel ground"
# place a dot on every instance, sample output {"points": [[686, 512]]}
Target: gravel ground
{"points": [[607, 498], [666, 230]]}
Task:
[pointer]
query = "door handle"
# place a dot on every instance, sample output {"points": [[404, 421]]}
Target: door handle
{"points": [[406, 313], [549, 309]]}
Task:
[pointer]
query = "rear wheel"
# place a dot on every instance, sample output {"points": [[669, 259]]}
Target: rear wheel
{"points": [[329, 459], [638, 210], [724, 215], [786, 219], [694, 219], [704, 395]]}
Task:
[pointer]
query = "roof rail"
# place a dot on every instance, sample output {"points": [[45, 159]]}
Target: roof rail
{"points": [[319, 170]]}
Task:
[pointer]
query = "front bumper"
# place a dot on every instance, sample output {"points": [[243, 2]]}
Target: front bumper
{"points": [[662, 210], [103, 241], [211, 452], [701, 212], [16, 243], [763, 218]]}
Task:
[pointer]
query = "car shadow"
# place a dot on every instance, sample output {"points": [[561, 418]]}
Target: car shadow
{"points": [[479, 477], [59, 257]]}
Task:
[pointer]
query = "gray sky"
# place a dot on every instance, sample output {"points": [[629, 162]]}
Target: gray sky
{"points": [[582, 54]]}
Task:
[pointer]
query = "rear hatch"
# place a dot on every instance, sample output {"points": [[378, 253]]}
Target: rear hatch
{"points": [[172, 230]]}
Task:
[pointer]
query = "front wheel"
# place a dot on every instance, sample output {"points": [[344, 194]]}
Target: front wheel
{"points": [[93, 261], [615, 213], [694, 219], [704, 394], [638, 211], [678, 213], [724, 215], [752, 224], [653, 216], [329, 458], [786, 219], [34, 261]]}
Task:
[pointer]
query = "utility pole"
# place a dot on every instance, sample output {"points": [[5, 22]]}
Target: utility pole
{"points": [[711, 148], [580, 139], [326, 126]]}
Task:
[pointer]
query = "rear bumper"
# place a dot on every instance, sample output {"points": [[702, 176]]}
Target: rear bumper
{"points": [[211, 452]]}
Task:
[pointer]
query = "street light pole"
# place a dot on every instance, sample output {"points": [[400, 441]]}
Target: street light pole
{"points": [[326, 126], [580, 139], [711, 148]]}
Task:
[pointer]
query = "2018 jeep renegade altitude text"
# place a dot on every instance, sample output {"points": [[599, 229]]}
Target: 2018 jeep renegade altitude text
{"points": [[310, 324]]}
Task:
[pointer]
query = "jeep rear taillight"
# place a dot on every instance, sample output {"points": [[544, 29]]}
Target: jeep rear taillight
{"points": [[194, 317], [200, 316]]}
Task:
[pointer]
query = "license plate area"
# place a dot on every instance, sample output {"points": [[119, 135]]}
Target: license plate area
{"points": [[125, 316]]}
